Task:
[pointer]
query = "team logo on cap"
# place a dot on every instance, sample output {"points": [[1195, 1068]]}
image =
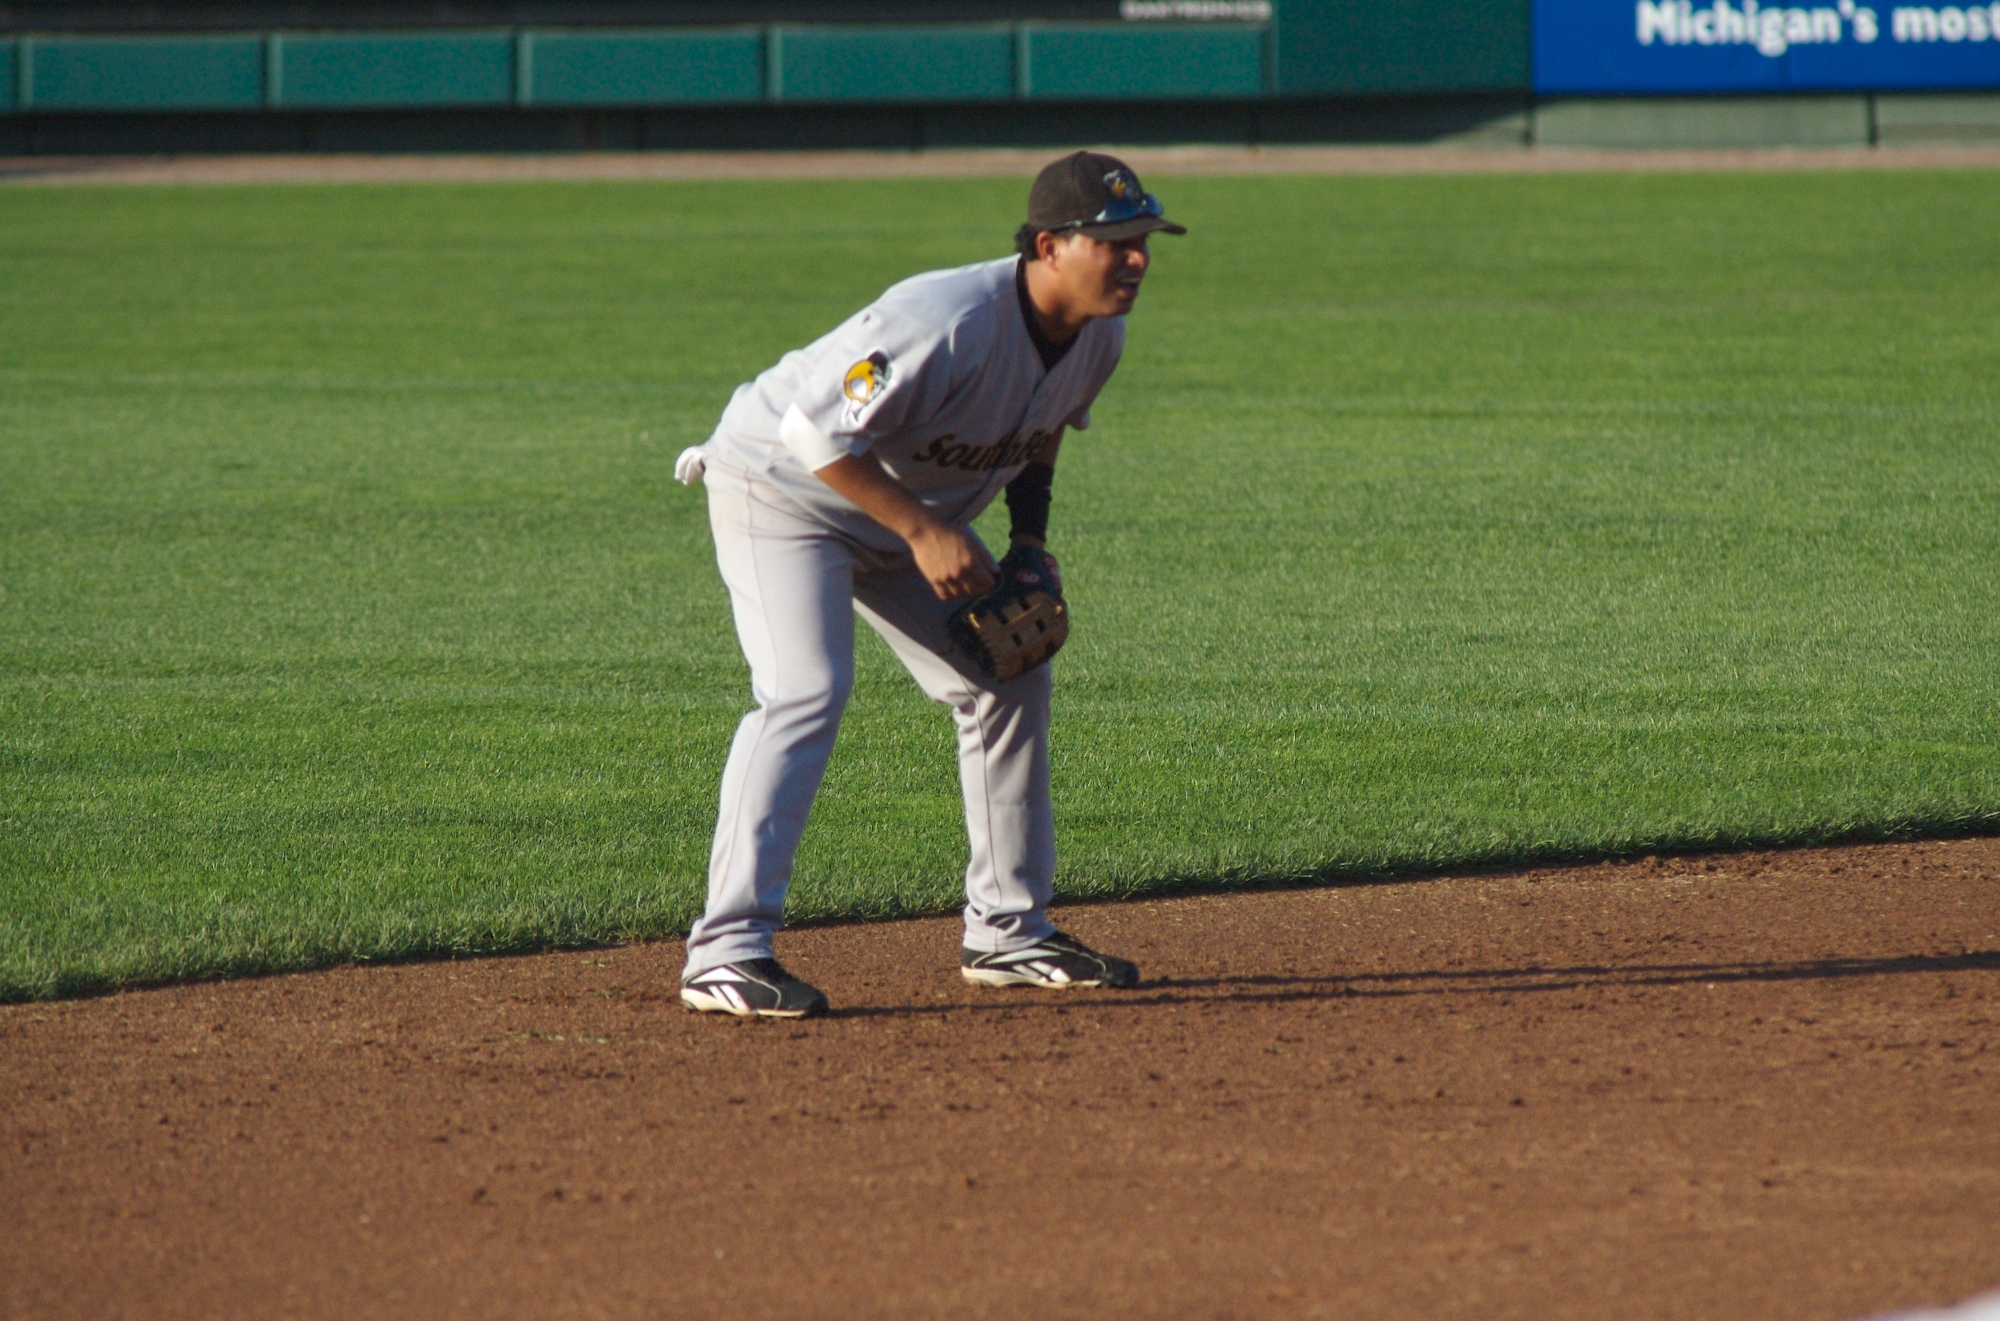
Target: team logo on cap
{"points": [[866, 379], [1123, 184]]}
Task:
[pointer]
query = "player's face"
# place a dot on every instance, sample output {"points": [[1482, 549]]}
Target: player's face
{"points": [[1102, 279]]}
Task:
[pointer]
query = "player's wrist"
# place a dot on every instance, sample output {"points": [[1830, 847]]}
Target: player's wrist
{"points": [[924, 528]]}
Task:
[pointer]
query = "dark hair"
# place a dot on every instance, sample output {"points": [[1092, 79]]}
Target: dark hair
{"points": [[1025, 236]]}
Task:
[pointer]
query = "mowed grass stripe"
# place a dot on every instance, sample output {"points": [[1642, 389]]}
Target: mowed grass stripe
{"points": [[348, 609], [1409, 406]]}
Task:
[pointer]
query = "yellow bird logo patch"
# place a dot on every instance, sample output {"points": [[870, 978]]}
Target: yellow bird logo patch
{"points": [[867, 379]]}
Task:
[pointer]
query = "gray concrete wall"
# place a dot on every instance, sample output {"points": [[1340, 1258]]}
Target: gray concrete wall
{"points": [[1721, 121], [1885, 119], [1937, 120]]}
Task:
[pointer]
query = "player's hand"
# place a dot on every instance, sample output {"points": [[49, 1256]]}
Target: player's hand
{"points": [[953, 562]]}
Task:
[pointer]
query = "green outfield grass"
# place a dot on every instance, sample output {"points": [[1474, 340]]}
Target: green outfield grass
{"points": [[348, 609]]}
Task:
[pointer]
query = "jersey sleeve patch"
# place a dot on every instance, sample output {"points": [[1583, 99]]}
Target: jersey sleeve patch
{"points": [[864, 383], [872, 377]]}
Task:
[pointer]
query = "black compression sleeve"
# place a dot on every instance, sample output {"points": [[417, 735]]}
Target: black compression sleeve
{"points": [[1028, 502]]}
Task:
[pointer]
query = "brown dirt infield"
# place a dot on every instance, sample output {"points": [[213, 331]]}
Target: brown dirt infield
{"points": [[1150, 161], [1760, 1085]]}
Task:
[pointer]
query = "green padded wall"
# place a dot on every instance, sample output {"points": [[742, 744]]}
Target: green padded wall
{"points": [[1110, 61], [141, 73], [1314, 48], [1397, 47], [688, 67], [403, 69], [891, 64]]}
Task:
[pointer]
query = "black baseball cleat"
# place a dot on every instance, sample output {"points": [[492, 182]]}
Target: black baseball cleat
{"points": [[754, 988], [1058, 961]]}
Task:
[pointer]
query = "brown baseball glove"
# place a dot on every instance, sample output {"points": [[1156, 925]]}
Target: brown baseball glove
{"points": [[1020, 623]]}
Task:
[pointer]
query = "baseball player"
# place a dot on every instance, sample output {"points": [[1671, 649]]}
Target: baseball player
{"points": [[844, 481]]}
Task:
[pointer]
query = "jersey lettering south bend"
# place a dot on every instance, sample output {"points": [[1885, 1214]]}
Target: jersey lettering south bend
{"points": [[937, 378]]}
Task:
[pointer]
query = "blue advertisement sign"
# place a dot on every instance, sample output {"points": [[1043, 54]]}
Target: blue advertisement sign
{"points": [[1612, 46]]}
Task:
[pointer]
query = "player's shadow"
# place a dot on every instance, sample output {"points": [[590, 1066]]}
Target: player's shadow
{"points": [[1533, 979]]}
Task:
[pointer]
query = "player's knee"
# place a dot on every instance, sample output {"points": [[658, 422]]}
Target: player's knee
{"points": [[808, 695], [1029, 688]]}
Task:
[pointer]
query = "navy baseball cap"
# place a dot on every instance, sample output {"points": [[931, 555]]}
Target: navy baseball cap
{"points": [[1097, 194]]}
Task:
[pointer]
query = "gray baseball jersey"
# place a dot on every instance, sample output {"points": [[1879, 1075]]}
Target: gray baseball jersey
{"points": [[937, 379]]}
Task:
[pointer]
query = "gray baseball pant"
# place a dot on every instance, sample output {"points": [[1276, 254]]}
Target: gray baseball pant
{"points": [[796, 585]]}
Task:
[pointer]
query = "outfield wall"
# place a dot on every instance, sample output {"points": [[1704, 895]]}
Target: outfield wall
{"points": [[1562, 72], [871, 64]]}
